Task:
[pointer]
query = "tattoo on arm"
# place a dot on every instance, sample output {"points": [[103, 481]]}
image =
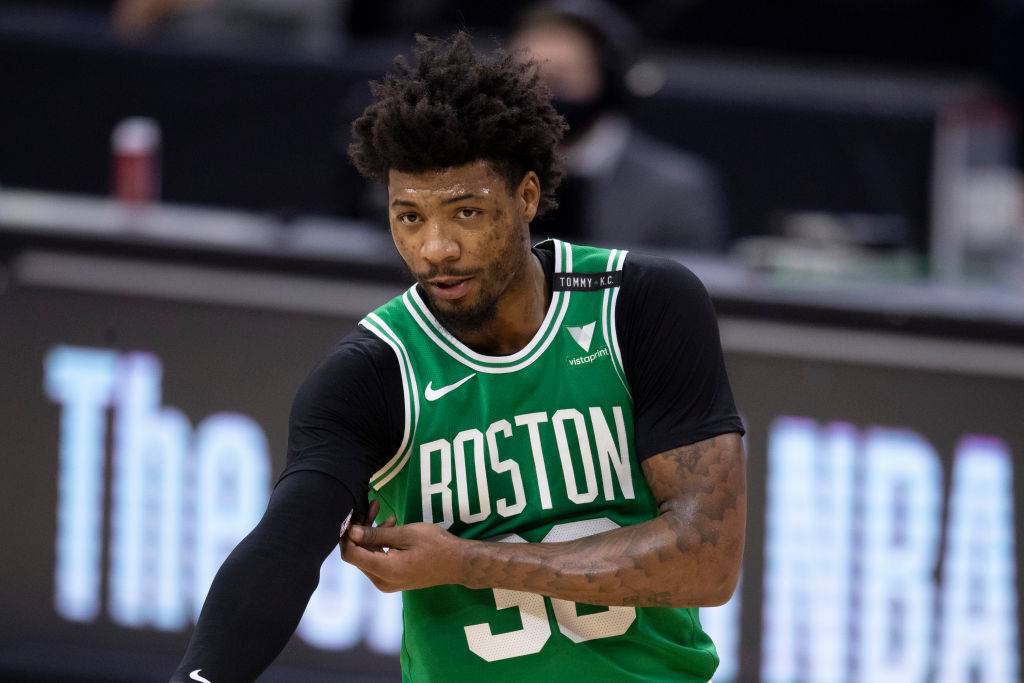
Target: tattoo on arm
{"points": [[697, 486], [687, 556]]}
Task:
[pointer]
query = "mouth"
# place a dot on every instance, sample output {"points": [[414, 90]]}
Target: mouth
{"points": [[449, 288]]}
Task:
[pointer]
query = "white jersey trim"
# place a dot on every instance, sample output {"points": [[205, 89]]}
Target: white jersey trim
{"points": [[410, 392], [616, 259], [541, 340]]}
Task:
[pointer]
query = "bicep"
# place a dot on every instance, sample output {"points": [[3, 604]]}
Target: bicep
{"points": [[344, 420], [701, 487]]}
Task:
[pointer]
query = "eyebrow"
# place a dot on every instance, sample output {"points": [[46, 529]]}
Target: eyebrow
{"points": [[450, 200]]}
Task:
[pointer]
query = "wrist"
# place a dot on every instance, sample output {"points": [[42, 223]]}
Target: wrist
{"points": [[466, 551]]}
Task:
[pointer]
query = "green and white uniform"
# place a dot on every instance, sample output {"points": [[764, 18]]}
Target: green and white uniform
{"points": [[532, 447]]}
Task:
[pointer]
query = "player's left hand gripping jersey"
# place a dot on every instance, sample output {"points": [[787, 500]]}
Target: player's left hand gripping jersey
{"points": [[532, 447]]}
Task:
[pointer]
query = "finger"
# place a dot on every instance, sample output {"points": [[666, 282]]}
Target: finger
{"points": [[381, 536], [369, 562], [370, 515], [346, 543], [389, 522], [348, 555], [348, 540], [345, 547], [364, 544]]}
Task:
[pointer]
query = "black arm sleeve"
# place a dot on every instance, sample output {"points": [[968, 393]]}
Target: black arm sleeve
{"points": [[346, 420], [261, 590], [672, 356]]}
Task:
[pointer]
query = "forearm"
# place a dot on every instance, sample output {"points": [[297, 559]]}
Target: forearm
{"points": [[678, 559], [261, 590], [688, 556], [247, 618]]}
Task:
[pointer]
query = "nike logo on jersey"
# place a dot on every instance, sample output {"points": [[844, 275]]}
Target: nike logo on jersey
{"points": [[432, 394], [196, 677], [583, 335]]}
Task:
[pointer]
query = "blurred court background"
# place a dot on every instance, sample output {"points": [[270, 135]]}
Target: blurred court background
{"points": [[182, 238]]}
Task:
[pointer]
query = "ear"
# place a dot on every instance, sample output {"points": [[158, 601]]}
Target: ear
{"points": [[528, 195]]}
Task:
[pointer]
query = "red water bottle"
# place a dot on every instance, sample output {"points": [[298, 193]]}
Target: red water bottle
{"points": [[135, 147]]}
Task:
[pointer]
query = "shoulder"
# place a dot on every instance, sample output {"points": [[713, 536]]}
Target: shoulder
{"points": [[650, 279], [360, 348], [360, 359], [659, 294], [672, 356]]}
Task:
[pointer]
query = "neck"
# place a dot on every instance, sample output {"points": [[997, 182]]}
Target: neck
{"points": [[520, 313]]}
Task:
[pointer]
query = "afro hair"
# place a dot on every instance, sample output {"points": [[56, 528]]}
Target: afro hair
{"points": [[454, 106]]}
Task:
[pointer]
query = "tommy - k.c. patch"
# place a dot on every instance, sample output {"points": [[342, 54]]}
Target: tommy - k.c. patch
{"points": [[585, 282]]}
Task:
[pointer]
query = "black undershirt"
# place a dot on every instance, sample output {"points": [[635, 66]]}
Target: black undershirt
{"points": [[347, 421]]}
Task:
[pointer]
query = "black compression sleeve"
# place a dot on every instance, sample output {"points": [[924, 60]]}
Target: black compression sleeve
{"points": [[672, 356], [348, 416], [261, 590]]}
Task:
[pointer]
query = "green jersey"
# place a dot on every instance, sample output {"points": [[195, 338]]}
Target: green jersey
{"points": [[532, 447]]}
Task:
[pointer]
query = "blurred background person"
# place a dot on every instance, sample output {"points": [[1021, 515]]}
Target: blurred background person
{"points": [[621, 183]]}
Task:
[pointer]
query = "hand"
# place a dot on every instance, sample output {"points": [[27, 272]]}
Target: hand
{"points": [[365, 520], [407, 557]]}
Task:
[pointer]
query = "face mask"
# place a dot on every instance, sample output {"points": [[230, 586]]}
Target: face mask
{"points": [[579, 114]]}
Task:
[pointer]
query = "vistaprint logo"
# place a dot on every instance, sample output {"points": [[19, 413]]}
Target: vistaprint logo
{"points": [[584, 335], [590, 358]]}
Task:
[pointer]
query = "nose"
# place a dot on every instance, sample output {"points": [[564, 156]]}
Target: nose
{"points": [[439, 246]]}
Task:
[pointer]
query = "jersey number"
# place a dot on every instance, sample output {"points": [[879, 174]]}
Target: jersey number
{"points": [[536, 628]]}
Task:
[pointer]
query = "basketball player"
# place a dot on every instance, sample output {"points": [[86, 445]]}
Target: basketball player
{"points": [[551, 428]]}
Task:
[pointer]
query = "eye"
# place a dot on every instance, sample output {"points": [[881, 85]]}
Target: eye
{"points": [[467, 212], [409, 218]]}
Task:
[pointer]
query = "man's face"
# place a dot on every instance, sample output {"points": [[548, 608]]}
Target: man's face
{"points": [[464, 235], [569, 65]]}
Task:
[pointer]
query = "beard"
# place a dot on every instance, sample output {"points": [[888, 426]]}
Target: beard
{"points": [[494, 279], [467, 318]]}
